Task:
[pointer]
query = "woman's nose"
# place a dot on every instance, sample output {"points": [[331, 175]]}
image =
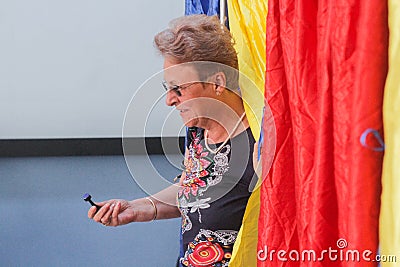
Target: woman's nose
{"points": [[171, 98]]}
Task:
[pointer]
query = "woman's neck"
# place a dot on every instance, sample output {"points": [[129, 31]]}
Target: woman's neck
{"points": [[229, 120], [218, 132]]}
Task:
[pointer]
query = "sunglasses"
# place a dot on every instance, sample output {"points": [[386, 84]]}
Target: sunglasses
{"points": [[177, 89]]}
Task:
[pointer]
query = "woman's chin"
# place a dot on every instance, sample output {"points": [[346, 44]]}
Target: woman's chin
{"points": [[190, 122]]}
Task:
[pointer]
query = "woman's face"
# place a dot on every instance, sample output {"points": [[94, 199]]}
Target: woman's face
{"points": [[192, 96]]}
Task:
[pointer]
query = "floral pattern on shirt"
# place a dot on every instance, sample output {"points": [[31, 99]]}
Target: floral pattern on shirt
{"points": [[201, 172], [210, 249]]}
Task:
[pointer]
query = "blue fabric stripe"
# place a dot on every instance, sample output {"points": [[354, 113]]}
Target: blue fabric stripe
{"points": [[208, 7]]}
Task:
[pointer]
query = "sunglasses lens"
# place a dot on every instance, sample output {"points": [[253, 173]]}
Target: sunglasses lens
{"points": [[175, 88], [164, 84]]}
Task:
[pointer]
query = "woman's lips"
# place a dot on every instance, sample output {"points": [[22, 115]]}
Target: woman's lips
{"points": [[183, 110]]}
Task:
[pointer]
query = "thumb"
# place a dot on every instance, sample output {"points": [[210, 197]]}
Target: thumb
{"points": [[91, 212]]}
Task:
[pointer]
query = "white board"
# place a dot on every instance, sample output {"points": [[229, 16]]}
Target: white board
{"points": [[68, 69]]}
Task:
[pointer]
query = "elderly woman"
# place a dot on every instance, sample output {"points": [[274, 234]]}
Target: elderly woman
{"points": [[201, 82]]}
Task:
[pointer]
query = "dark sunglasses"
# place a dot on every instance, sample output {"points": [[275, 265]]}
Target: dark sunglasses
{"points": [[177, 89]]}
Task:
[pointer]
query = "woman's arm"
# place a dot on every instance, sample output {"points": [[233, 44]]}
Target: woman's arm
{"points": [[117, 212]]}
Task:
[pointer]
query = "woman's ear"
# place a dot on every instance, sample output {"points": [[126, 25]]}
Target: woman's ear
{"points": [[220, 82]]}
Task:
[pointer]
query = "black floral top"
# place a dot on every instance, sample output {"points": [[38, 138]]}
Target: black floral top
{"points": [[213, 197]]}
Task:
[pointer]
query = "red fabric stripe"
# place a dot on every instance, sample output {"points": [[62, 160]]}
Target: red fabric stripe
{"points": [[325, 74]]}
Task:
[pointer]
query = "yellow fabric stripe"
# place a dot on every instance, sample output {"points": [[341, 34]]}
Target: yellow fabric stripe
{"points": [[389, 229], [247, 21]]}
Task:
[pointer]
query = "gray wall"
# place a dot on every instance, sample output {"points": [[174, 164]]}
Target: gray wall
{"points": [[44, 222], [70, 68]]}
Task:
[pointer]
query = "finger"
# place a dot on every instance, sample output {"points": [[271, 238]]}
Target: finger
{"points": [[114, 215], [101, 203], [99, 215], [106, 220], [92, 212], [255, 150], [255, 146]]}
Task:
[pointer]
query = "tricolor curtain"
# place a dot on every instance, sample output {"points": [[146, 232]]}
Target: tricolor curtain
{"points": [[326, 65]]}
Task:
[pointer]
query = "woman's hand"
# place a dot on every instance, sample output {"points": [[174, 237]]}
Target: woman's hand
{"points": [[257, 163], [117, 212]]}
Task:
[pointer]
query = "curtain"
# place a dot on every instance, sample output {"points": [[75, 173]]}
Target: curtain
{"points": [[390, 212], [247, 21], [208, 7], [326, 64]]}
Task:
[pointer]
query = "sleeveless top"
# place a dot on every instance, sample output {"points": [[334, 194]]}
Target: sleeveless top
{"points": [[213, 197]]}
